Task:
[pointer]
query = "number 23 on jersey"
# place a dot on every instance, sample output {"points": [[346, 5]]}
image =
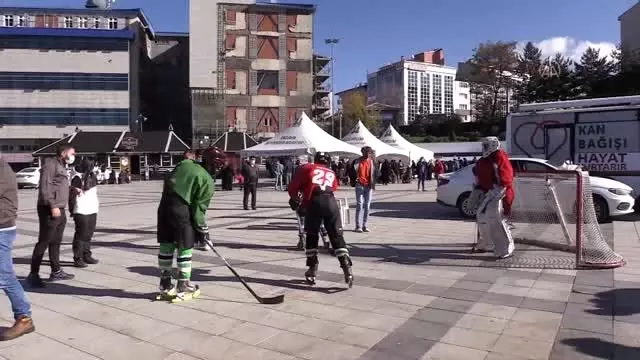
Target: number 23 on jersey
{"points": [[323, 178]]}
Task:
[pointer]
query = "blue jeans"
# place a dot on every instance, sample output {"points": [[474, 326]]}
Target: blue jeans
{"points": [[8, 280], [363, 204]]}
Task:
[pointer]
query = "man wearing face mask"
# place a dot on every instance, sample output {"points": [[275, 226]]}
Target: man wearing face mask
{"points": [[250, 173], [53, 197]]}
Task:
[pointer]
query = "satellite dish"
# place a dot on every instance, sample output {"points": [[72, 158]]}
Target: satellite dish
{"points": [[99, 4]]}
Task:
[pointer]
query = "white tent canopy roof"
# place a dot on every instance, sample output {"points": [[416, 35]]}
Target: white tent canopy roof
{"points": [[393, 138], [304, 137], [361, 136]]}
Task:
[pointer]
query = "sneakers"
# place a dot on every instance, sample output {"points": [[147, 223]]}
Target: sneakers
{"points": [[166, 284], [365, 229], [200, 246], [358, 230], [90, 260], [60, 275], [22, 326], [186, 286], [79, 263], [35, 281]]}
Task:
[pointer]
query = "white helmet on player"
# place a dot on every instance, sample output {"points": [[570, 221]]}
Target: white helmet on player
{"points": [[490, 144]]}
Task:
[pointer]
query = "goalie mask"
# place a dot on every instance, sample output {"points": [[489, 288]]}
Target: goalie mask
{"points": [[490, 144]]}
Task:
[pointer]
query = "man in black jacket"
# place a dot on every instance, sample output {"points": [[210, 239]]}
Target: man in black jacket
{"points": [[250, 174], [53, 197], [8, 281]]}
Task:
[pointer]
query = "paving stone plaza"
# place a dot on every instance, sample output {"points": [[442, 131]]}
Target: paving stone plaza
{"points": [[418, 292]]}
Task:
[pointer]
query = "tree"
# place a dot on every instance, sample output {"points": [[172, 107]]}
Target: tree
{"points": [[591, 73], [560, 85], [493, 66], [531, 69], [355, 109]]}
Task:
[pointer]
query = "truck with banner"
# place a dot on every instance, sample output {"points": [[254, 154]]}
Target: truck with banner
{"points": [[601, 135]]}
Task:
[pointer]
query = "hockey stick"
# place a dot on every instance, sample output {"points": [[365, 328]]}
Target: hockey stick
{"points": [[262, 300]]}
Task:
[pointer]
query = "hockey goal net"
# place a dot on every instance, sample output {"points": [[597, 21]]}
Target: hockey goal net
{"points": [[555, 210]]}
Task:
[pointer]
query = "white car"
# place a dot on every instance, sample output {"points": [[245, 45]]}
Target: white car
{"points": [[28, 177], [610, 198]]}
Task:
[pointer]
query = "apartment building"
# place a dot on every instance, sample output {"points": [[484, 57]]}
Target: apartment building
{"points": [[630, 33], [419, 86], [251, 66], [63, 70]]}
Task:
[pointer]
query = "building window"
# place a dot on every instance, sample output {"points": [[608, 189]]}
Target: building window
{"points": [[7, 20], [64, 81], [96, 23], [64, 43], [63, 116], [437, 94], [22, 21], [268, 82], [464, 85], [412, 96], [425, 93], [68, 22], [230, 17], [464, 107], [448, 94], [83, 23], [113, 23]]}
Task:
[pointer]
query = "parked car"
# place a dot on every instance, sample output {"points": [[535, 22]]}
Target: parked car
{"points": [[28, 177], [610, 197]]}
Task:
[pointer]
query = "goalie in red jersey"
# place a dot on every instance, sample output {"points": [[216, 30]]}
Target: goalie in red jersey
{"points": [[494, 177], [317, 184]]}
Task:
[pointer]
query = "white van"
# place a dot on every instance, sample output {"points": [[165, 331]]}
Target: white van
{"points": [[602, 135]]}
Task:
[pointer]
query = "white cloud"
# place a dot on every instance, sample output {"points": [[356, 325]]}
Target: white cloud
{"points": [[570, 47]]}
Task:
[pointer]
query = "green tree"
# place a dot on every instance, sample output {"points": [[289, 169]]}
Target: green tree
{"points": [[592, 72], [531, 69], [560, 85], [493, 66], [355, 109]]}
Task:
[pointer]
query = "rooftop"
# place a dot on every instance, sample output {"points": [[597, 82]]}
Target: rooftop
{"points": [[137, 12]]}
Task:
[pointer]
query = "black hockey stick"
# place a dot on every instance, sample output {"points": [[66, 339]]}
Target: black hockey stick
{"points": [[262, 300]]}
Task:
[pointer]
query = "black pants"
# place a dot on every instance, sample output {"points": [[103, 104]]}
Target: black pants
{"points": [[49, 237], [421, 180], [323, 208], [85, 226], [249, 188]]}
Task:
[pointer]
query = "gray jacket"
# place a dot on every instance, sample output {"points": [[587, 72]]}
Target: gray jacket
{"points": [[54, 184], [8, 196]]}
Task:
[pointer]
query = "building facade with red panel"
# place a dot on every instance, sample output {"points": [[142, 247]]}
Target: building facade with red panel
{"points": [[251, 67]]}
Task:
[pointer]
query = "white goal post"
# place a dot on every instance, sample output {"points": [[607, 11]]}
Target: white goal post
{"points": [[555, 210]]}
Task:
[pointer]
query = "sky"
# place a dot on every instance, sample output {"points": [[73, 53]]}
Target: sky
{"points": [[372, 33]]}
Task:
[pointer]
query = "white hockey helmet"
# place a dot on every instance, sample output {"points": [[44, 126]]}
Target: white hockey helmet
{"points": [[490, 144]]}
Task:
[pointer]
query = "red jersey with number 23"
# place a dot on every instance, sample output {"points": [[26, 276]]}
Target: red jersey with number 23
{"points": [[312, 179]]}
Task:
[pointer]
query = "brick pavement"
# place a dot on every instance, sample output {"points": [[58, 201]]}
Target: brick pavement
{"points": [[418, 293]]}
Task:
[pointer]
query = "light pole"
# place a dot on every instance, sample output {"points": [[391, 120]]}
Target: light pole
{"points": [[331, 42]]}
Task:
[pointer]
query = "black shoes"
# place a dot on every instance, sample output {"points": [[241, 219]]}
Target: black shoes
{"points": [[91, 260], [60, 275], [35, 281], [84, 262]]}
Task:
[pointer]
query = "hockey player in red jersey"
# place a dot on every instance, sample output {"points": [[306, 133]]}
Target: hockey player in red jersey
{"points": [[317, 183], [494, 176]]}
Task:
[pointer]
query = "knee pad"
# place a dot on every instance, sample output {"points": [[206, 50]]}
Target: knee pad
{"points": [[341, 252]]}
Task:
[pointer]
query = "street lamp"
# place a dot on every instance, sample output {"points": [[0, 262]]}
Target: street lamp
{"points": [[331, 42], [139, 120]]}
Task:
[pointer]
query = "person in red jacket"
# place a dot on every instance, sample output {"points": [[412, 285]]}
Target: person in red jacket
{"points": [[438, 169], [317, 184], [494, 177]]}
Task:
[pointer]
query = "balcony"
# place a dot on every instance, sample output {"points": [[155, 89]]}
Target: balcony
{"points": [[322, 89]]}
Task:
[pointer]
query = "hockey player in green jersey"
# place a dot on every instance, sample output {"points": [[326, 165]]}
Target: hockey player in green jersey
{"points": [[186, 196]]}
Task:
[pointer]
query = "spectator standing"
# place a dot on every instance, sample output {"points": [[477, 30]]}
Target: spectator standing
{"points": [[438, 169], [422, 169], [279, 172], [8, 281], [250, 174], [288, 171], [363, 170], [83, 205], [53, 196]]}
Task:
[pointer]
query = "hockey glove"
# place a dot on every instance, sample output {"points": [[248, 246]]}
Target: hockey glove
{"points": [[475, 199], [496, 193], [294, 204], [202, 234]]}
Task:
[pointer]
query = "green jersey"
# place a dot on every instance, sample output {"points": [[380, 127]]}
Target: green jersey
{"points": [[194, 185]]}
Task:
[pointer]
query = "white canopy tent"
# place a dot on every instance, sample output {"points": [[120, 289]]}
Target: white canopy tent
{"points": [[393, 138], [361, 136], [304, 137]]}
